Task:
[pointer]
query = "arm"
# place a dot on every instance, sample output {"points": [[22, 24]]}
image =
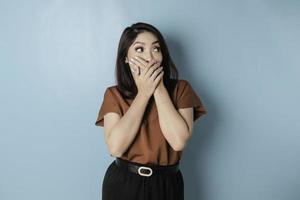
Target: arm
{"points": [[120, 131], [173, 124]]}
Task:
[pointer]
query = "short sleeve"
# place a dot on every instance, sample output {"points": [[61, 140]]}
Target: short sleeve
{"points": [[109, 104], [187, 97]]}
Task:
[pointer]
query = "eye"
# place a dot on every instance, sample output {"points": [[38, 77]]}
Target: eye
{"points": [[138, 48], [158, 49]]}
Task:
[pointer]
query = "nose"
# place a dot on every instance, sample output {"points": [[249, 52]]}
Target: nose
{"points": [[149, 57]]}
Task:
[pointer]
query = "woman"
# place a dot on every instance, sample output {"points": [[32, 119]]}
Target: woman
{"points": [[148, 118]]}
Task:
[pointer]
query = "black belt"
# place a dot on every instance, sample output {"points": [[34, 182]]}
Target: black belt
{"points": [[146, 170]]}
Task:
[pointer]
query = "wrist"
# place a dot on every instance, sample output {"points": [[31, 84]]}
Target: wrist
{"points": [[160, 89], [162, 102], [142, 97]]}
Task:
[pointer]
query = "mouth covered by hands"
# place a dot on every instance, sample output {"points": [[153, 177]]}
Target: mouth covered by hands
{"points": [[147, 75]]}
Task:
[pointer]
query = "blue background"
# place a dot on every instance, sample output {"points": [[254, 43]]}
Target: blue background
{"points": [[242, 58]]}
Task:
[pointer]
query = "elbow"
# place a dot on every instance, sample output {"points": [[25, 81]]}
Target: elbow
{"points": [[114, 150], [115, 153], [179, 146], [113, 147]]}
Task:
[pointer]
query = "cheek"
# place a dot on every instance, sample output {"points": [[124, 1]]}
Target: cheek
{"points": [[130, 53], [159, 58]]}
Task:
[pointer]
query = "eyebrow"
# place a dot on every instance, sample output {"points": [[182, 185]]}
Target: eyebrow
{"points": [[144, 43]]}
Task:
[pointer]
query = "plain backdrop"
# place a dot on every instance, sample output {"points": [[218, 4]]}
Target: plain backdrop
{"points": [[242, 58]]}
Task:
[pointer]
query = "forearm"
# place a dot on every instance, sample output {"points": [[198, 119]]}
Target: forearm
{"points": [[125, 130], [173, 126]]}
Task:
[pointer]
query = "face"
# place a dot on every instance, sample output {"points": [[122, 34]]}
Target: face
{"points": [[145, 46]]}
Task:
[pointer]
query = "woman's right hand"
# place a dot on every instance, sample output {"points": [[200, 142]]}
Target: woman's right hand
{"points": [[147, 75]]}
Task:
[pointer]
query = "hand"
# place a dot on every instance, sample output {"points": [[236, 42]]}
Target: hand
{"points": [[160, 85], [147, 76]]}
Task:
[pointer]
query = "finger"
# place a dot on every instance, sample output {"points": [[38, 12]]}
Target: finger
{"points": [[155, 73], [137, 63], [142, 61], [151, 70], [158, 78], [151, 64], [134, 69], [133, 66]]}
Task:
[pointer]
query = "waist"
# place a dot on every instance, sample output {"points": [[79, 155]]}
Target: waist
{"points": [[146, 169]]}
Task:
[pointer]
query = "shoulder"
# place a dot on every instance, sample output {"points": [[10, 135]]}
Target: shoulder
{"points": [[182, 84], [111, 89], [112, 92]]}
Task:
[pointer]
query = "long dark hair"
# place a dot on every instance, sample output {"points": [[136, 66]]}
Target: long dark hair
{"points": [[125, 81]]}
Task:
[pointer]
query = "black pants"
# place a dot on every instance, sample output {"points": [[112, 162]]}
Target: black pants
{"points": [[121, 184]]}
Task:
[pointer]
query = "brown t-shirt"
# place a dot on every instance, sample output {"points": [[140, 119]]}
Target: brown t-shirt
{"points": [[149, 145]]}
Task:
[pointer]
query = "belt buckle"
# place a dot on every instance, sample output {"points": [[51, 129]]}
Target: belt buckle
{"points": [[142, 174]]}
